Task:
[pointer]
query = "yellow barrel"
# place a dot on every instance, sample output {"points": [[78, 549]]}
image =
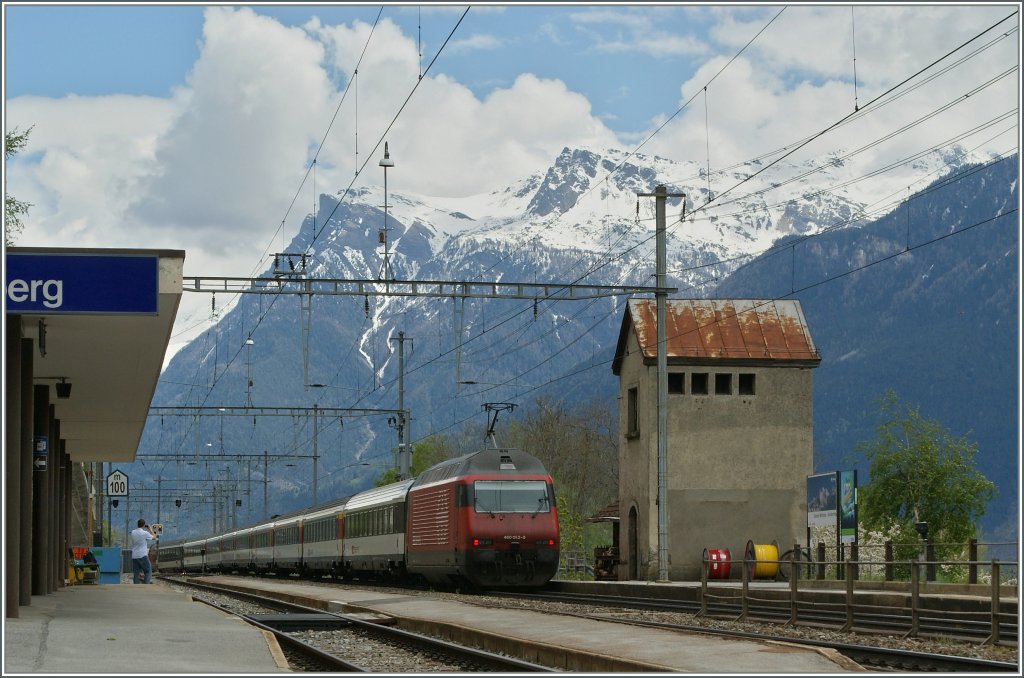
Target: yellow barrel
{"points": [[763, 559]]}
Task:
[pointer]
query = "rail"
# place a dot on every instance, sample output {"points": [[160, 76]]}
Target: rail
{"points": [[991, 621]]}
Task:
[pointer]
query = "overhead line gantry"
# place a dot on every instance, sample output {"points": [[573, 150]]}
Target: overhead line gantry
{"points": [[412, 288]]}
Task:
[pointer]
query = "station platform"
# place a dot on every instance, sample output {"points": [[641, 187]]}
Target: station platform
{"points": [[557, 640], [109, 629]]}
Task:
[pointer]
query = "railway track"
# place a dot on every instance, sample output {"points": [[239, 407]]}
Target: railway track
{"points": [[315, 640], [879, 658], [662, 613], [936, 624]]}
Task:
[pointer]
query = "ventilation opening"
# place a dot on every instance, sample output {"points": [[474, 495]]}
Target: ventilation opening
{"points": [[723, 384], [632, 415], [675, 382], [746, 384], [699, 383]]}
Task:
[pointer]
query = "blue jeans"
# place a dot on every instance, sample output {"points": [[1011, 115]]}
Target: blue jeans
{"points": [[141, 565]]}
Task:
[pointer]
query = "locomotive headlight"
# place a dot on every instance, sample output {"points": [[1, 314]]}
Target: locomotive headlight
{"points": [[545, 542], [482, 542]]}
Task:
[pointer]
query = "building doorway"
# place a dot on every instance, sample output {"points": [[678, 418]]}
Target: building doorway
{"points": [[634, 551]]}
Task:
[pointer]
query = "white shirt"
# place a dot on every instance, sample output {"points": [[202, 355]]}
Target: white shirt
{"points": [[140, 542]]}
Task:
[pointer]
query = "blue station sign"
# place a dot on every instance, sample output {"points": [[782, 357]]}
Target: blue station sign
{"points": [[53, 283]]}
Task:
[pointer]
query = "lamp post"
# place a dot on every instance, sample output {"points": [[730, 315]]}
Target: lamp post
{"points": [[386, 162]]}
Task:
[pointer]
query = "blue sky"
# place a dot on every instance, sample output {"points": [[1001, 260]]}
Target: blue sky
{"points": [[191, 127]]}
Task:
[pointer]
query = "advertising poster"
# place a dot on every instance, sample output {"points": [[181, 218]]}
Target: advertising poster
{"points": [[821, 500], [848, 507]]}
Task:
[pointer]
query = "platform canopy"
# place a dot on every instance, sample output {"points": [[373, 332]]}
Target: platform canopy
{"points": [[101, 322]]}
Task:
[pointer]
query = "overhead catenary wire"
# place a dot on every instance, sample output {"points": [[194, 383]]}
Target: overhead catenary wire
{"points": [[266, 312], [709, 174], [839, 122], [819, 283], [520, 375]]}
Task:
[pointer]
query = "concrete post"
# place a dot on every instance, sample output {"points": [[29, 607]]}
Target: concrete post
{"points": [[40, 489], [12, 461], [65, 516], [27, 423], [52, 471]]}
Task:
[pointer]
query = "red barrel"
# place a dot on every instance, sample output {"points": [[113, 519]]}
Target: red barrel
{"points": [[718, 562]]}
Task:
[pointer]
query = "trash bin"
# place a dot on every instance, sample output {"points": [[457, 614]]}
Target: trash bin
{"points": [[109, 560]]}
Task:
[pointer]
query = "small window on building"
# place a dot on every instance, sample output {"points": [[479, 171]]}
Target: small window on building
{"points": [[746, 384], [723, 384], [632, 413], [699, 383], [675, 382]]}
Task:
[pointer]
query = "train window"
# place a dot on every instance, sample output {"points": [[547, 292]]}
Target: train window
{"points": [[511, 496]]}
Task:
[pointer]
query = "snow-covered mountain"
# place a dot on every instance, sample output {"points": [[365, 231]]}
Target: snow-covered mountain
{"points": [[586, 202]]}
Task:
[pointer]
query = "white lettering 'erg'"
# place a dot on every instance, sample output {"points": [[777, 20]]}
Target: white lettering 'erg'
{"points": [[50, 291]]}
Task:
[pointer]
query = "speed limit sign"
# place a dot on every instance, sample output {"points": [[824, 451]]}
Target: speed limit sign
{"points": [[117, 484]]}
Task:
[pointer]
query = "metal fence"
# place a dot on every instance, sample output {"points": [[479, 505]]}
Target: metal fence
{"points": [[796, 570]]}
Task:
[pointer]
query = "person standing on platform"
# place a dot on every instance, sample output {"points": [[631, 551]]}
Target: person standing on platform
{"points": [[141, 536]]}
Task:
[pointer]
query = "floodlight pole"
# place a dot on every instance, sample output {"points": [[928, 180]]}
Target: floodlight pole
{"points": [[386, 162]]}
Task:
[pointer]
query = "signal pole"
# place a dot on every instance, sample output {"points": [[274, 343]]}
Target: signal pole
{"points": [[404, 455]]}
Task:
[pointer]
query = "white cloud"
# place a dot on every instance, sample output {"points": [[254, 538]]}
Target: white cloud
{"points": [[796, 80], [214, 169], [473, 43], [84, 160], [651, 31], [229, 165], [447, 141]]}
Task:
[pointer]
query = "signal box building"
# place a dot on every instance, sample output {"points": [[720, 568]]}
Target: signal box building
{"points": [[739, 438]]}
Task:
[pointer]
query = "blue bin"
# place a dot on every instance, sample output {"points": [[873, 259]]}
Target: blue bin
{"points": [[109, 560]]}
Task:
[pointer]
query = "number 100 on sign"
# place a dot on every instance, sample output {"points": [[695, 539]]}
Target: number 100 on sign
{"points": [[117, 484]]}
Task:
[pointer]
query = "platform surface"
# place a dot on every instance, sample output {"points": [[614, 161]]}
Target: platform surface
{"points": [[660, 649], [131, 629]]}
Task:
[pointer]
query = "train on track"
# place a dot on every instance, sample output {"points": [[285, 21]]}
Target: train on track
{"points": [[488, 519]]}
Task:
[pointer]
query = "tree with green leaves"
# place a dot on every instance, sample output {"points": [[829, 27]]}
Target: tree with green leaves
{"points": [[425, 454], [920, 473], [14, 209], [580, 451]]}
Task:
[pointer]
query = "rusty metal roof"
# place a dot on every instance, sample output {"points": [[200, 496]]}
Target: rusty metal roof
{"points": [[739, 330], [609, 514]]}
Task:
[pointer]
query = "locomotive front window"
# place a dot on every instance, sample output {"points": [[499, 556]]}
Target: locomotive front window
{"points": [[511, 496]]}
